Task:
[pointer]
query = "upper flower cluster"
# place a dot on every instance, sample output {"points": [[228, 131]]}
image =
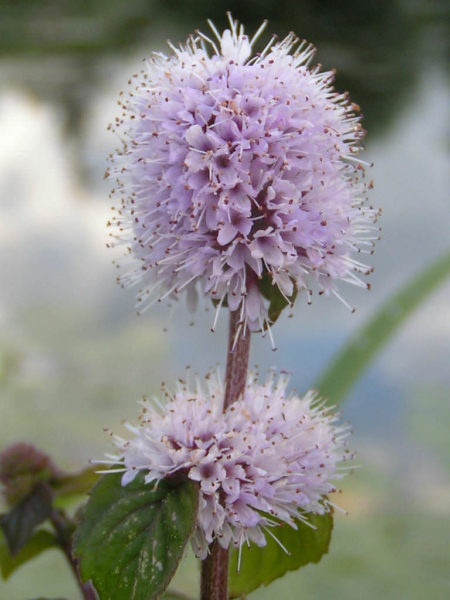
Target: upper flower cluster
{"points": [[235, 170], [268, 456]]}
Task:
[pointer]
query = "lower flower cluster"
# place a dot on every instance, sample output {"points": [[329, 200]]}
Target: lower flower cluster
{"points": [[269, 458]]}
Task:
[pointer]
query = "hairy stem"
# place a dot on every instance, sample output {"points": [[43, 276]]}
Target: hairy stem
{"points": [[63, 528], [237, 360], [214, 578]]}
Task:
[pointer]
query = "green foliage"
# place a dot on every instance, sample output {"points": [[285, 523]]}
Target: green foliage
{"points": [[39, 542], [19, 524], [67, 486], [260, 566], [31, 484], [350, 363], [277, 302], [132, 537]]}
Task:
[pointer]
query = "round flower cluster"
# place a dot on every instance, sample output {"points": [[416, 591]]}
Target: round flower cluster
{"points": [[235, 170], [267, 457]]}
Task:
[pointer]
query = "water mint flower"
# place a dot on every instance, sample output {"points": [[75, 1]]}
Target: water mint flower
{"points": [[238, 176], [269, 456]]}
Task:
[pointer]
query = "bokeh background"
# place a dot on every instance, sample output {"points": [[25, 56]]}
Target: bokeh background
{"points": [[75, 358]]}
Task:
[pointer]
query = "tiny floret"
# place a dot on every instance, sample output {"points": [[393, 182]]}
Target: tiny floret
{"points": [[269, 458], [238, 176]]}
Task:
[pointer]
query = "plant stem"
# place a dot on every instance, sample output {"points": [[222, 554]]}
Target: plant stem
{"points": [[237, 360], [214, 578], [64, 528]]}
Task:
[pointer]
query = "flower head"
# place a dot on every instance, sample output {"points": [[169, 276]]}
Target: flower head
{"points": [[238, 176], [22, 468], [269, 456]]}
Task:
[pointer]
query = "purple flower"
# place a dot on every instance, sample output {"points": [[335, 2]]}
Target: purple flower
{"points": [[239, 174], [269, 456]]}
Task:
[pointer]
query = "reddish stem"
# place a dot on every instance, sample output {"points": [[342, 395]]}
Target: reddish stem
{"points": [[214, 578], [237, 360]]}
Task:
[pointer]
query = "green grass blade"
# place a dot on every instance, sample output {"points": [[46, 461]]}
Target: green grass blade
{"points": [[350, 363]]}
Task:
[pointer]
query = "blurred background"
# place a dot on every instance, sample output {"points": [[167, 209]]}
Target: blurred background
{"points": [[75, 358]]}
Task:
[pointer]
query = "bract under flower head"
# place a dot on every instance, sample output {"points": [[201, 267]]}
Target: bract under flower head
{"points": [[269, 456], [238, 176]]}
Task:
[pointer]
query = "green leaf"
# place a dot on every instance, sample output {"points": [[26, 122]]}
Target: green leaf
{"points": [[18, 525], [132, 537], [74, 485], [350, 363], [260, 566], [277, 302], [41, 541]]}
